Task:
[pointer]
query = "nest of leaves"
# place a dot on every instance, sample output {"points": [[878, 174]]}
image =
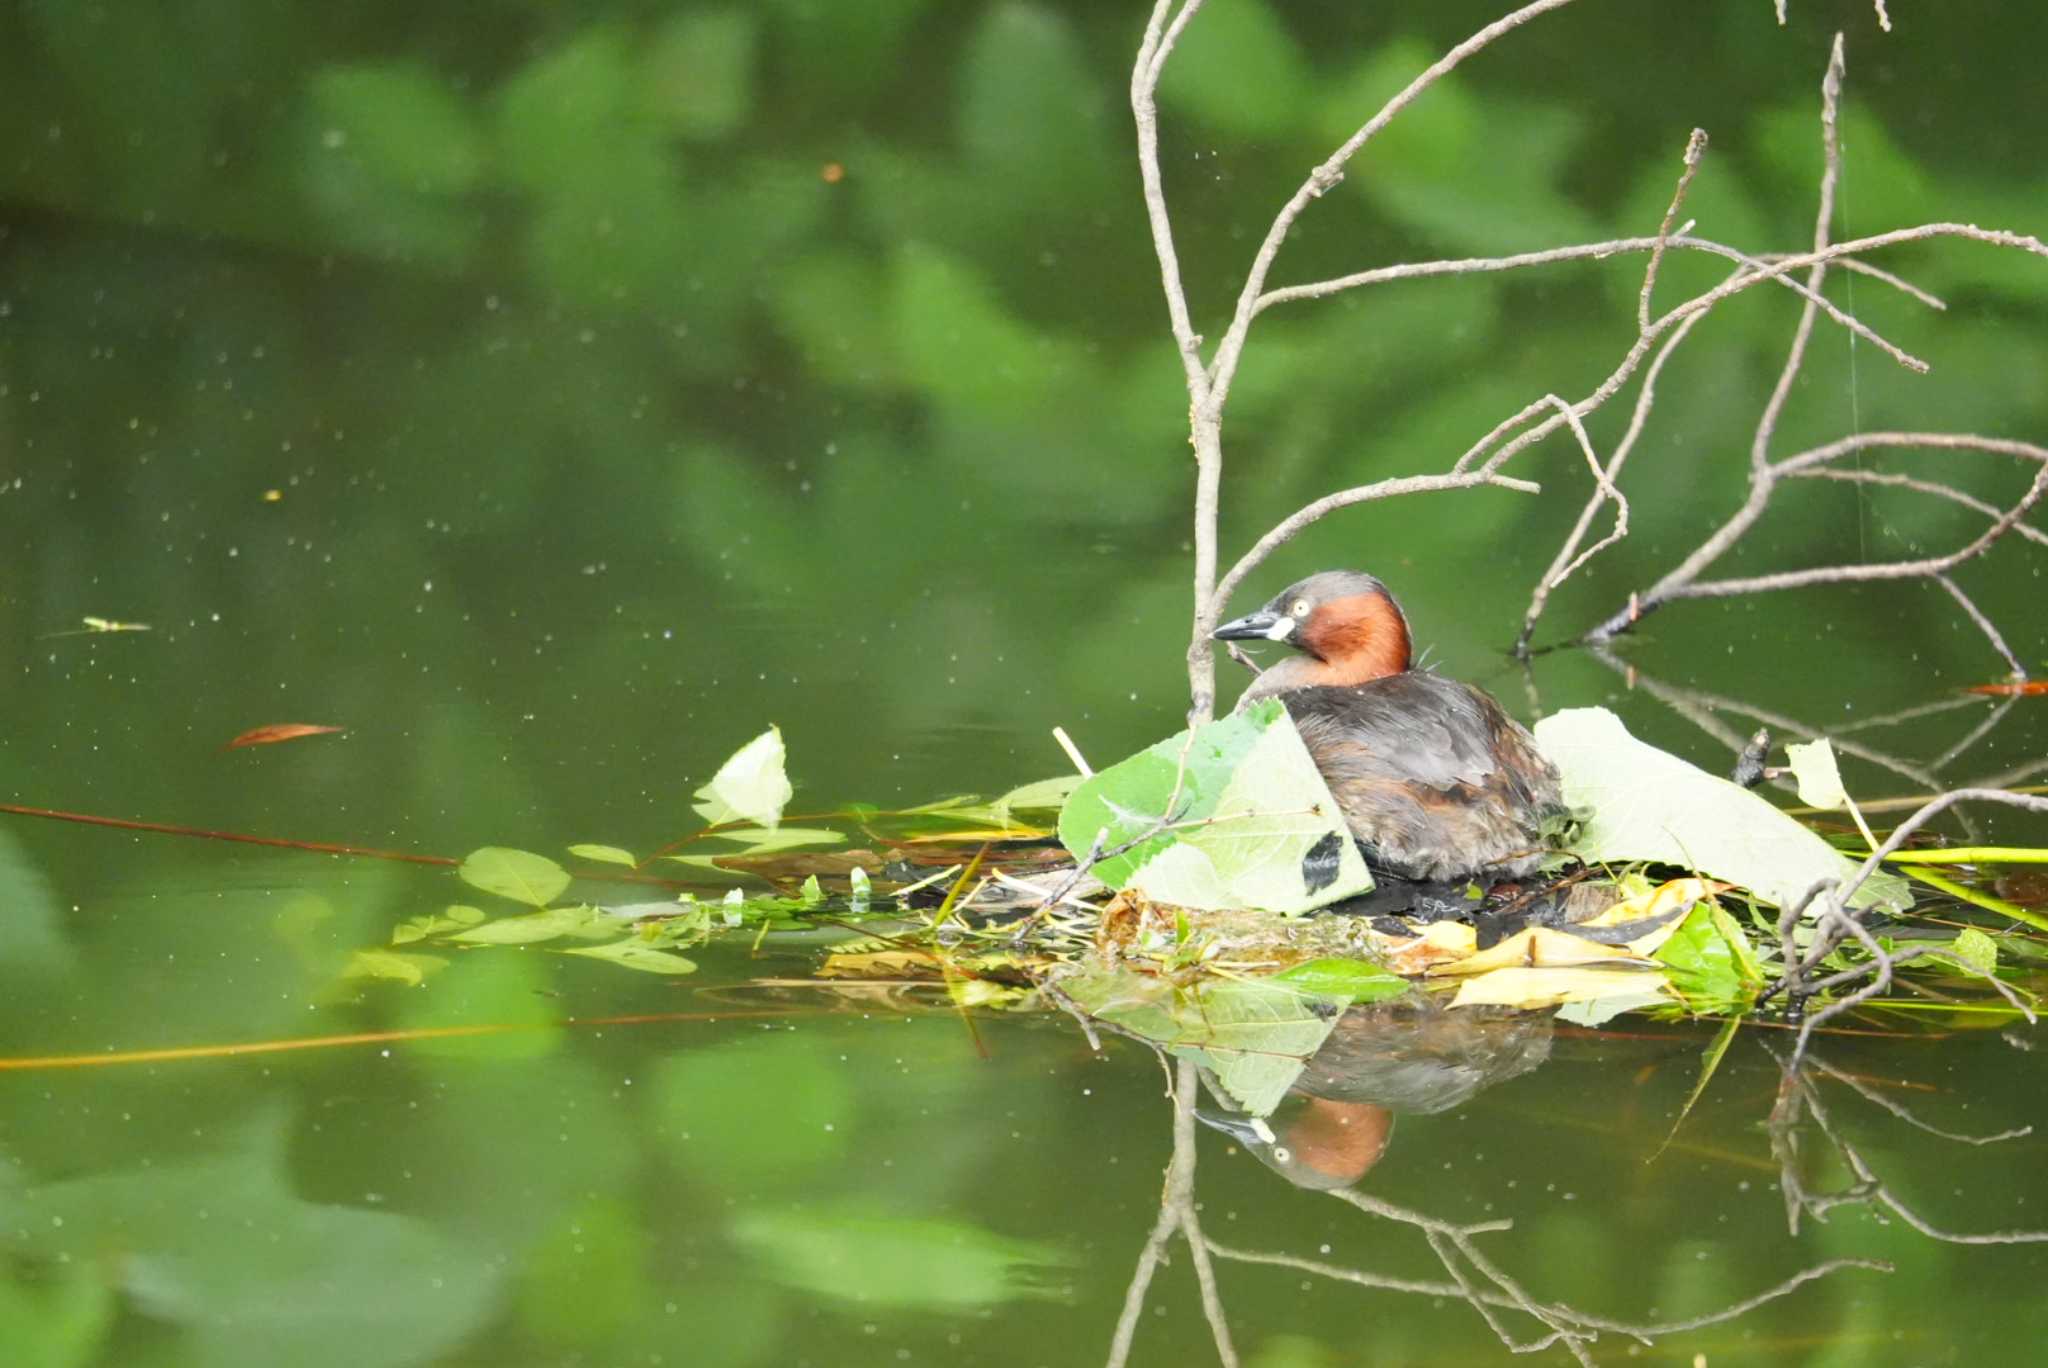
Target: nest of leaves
{"points": [[1204, 894]]}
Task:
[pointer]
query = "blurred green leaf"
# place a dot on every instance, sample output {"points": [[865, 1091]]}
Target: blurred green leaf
{"points": [[1031, 110], [1507, 201], [402, 125], [633, 953], [325, 1286], [882, 1261], [36, 940], [516, 874], [587, 923], [1239, 70], [505, 995], [771, 1112], [833, 49], [588, 1280], [962, 344], [697, 72], [409, 969], [563, 107], [59, 1319], [613, 232], [824, 308]]}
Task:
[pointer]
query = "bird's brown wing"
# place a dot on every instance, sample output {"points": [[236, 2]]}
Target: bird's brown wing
{"points": [[1431, 774]]}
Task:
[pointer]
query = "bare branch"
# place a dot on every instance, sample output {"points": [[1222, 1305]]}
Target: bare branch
{"points": [[1290, 526], [1878, 1099], [1174, 1202], [1860, 572], [1152, 54], [1766, 268], [2013, 668], [1866, 1188], [1928, 487], [1683, 582], [1831, 175], [1567, 553], [1695, 149]]}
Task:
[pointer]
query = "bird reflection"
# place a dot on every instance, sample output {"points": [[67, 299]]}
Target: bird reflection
{"points": [[1383, 1059]]}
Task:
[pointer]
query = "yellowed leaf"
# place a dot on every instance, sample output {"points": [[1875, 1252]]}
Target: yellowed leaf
{"points": [[1534, 947], [1669, 900], [1654, 902], [1439, 942], [1549, 986]]}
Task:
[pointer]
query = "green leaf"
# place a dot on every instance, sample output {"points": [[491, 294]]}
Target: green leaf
{"points": [[604, 854], [1820, 778], [1706, 968], [1641, 803], [408, 969], [1254, 1036], [875, 1260], [1253, 823], [752, 785], [1045, 795], [1351, 980], [1975, 951], [761, 841], [633, 953], [451, 918], [516, 874], [534, 927]]}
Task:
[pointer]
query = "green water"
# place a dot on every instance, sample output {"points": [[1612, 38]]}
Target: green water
{"points": [[630, 378]]}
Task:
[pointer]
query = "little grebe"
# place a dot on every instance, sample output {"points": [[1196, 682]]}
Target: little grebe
{"points": [[1434, 779]]}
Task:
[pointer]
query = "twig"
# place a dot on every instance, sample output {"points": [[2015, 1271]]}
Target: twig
{"points": [[1867, 1189], [1695, 149], [1059, 734], [2013, 668], [1932, 488], [1830, 177], [1878, 1099], [1683, 582]]}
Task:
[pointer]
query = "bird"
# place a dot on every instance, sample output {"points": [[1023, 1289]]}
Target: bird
{"points": [[1436, 782]]}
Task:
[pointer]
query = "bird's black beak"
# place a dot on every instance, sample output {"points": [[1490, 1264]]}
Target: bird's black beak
{"points": [[1259, 626]]}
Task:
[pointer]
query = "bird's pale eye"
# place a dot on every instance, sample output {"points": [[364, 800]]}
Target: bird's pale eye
{"points": [[1298, 609]]}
